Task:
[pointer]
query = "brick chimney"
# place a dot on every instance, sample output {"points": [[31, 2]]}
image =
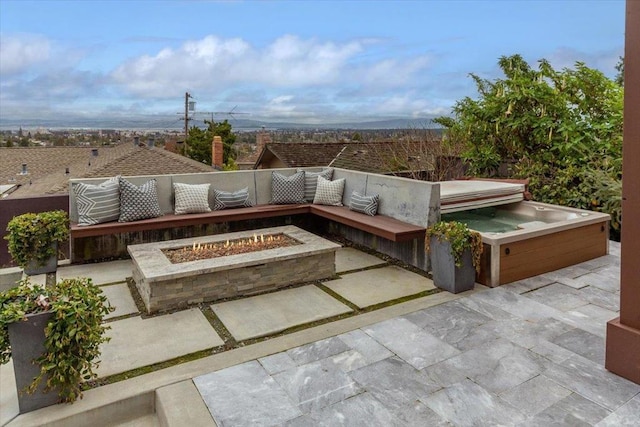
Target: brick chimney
{"points": [[262, 138], [216, 153]]}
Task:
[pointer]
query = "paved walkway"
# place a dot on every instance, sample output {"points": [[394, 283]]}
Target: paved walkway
{"points": [[528, 353]]}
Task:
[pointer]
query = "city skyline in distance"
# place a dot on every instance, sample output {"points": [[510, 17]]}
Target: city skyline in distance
{"points": [[307, 63]]}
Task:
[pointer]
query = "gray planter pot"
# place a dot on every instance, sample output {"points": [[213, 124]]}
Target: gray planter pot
{"points": [[27, 344], [51, 266], [445, 273]]}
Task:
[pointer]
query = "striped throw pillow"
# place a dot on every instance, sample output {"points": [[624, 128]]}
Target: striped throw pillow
{"points": [[311, 182], [364, 204], [97, 203], [227, 200]]}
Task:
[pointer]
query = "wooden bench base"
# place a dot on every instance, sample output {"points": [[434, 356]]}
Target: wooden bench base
{"points": [[379, 225]]}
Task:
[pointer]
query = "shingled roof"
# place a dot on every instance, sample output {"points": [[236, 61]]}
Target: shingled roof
{"points": [[46, 166], [302, 154], [377, 157], [385, 157]]}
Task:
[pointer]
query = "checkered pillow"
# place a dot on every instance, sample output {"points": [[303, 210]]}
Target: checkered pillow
{"points": [[311, 182], [287, 189], [97, 203], [364, 204], [227, 200], [329, 192], [191, 198], [138, 202]]}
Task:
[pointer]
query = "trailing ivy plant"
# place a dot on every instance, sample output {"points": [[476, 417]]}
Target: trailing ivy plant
{"points": [[460, 237], [31, 236], [72, 336]]}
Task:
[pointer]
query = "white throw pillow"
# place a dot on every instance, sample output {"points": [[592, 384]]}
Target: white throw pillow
{"points": [[329, 192], [191, 198]]}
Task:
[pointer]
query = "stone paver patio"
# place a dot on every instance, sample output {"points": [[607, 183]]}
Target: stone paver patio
{"points": [[527, 353]]}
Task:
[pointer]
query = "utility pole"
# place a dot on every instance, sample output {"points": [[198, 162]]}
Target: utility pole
{"points": [[186, 119]]}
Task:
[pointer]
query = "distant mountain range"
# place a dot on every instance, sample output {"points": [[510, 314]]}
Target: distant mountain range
{"points": [[170, 122]]}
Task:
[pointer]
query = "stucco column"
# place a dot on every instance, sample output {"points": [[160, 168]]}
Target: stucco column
{"points": [[623, 333]]}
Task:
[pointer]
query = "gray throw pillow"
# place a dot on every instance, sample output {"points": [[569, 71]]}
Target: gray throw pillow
{"points": [[311, 182], [364, 204], [138, 202], [227, 199], [287, 189], [97, 203]]}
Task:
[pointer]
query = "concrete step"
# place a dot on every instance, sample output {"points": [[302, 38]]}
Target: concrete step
{"points": [[180, 404]]}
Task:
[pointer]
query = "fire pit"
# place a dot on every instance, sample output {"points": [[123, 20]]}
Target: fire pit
{"points": [[297, 257]]}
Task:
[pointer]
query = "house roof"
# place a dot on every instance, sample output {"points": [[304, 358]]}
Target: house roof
{"points": [[302, 154], [385, 157], [46, 166], [378, 157]]}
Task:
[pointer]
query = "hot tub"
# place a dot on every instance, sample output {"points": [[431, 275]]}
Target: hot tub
{"points": [[524, 239]]}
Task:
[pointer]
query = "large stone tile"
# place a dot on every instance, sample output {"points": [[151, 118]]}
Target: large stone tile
{"points": [[486, 309], [467, 404], [497, 366], [267, 314], [529, 284], [590, 317], [101, 273], [454, 323], [348, 259], [119, 297], [583, 343], [559, 296], [604, 299], [277, 362], [316, 385], [535, 395], [317, 350], [626, 415], [553, 352], [245, 395], [362, 410], [371, 287], [370, 349], [137, 342], [525, 333], [394, 382], [572, 410], [517, 305], [417, 414], [592, 381], [407, 340], [602, 281]]}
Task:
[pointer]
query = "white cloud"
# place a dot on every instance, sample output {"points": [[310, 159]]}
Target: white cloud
{"points": [[18, 53]]}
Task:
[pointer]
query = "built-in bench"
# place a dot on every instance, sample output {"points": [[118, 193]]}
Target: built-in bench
{"points": [[379, 225], [406, 208]]}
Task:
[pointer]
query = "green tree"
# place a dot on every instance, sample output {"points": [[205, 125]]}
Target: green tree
{"points": [[199, 142], [620, 69], [554, 127]]}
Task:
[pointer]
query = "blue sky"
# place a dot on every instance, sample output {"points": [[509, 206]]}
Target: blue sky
{"points": [[306, 61]]}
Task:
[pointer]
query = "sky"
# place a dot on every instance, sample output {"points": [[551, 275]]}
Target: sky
{"points": [[296, 61]]}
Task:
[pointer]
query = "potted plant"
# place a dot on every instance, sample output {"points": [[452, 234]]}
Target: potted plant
{"points": [[455, 255], [52, 334], [34, 238]]}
